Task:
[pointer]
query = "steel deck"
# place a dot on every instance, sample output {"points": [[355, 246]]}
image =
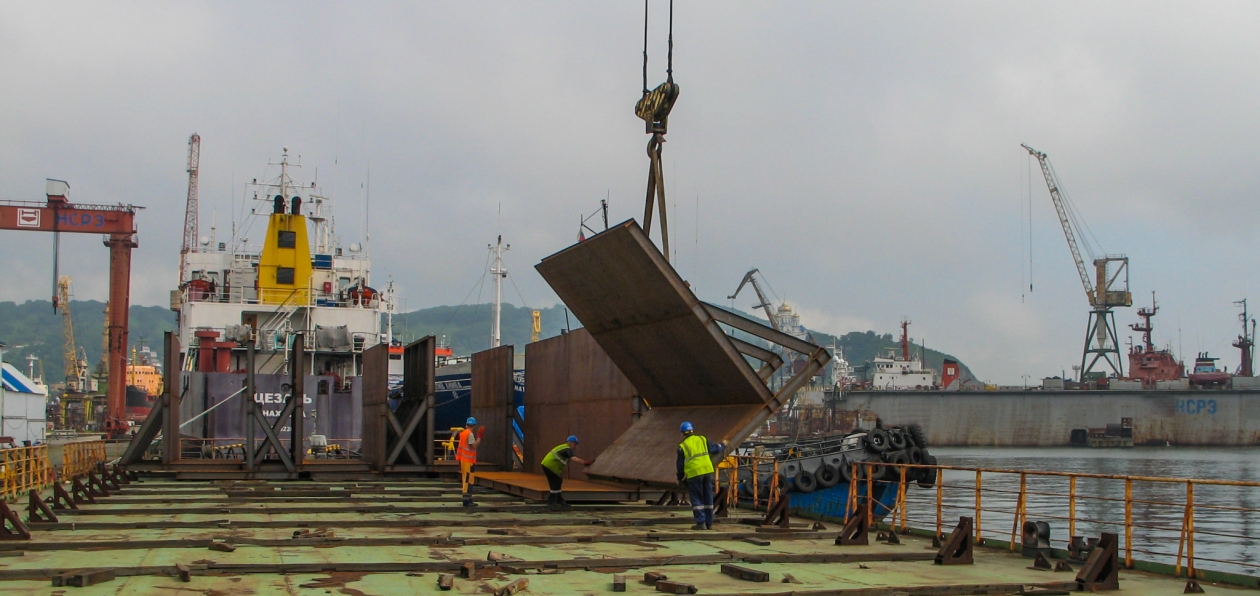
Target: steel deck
{"points": [[286, 542]]}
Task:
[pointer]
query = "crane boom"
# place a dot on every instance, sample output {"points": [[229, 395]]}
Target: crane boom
{"points": [[68, 351], [1052, 182], [763, 303], [191, 227]]}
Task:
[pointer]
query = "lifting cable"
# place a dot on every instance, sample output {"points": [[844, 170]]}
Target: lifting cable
{"points": [[654, 108]]}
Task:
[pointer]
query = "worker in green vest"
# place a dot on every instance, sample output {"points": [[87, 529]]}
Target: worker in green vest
{"points": [[695, 469], [553, 468]]}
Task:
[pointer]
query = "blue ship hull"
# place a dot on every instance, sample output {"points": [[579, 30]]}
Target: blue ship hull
{"points": [[832, 502]]}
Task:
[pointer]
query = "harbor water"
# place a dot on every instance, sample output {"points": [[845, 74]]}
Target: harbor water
{"points": [[1226, 518]]}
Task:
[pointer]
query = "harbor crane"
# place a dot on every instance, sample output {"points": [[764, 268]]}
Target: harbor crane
{"points": [[190, 207], [75, 365], [762, 302], [1102, 291]]}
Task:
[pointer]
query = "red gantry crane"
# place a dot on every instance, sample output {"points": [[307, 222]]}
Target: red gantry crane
{"points": [[1101, 340], [117, 222]]}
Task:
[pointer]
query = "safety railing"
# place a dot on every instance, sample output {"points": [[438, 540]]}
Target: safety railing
{"points": [[23, 469], [77, 459], [1183, 525], [735, 471]]}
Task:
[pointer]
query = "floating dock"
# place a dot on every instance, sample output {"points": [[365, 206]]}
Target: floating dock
{"points": [[158, 536]]}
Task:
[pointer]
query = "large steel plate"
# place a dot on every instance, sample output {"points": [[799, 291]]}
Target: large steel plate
{"points": [[647, 452], [650, 323]]}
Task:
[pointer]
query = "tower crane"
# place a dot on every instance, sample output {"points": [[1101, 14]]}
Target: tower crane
{"points": [[75, 369], [762, 302], [190, 209], [1102, 291]]}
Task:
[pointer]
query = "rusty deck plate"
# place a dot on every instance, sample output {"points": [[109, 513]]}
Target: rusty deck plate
{"points": [[534, 486]]}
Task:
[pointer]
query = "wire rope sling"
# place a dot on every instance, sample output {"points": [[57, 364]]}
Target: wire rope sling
{"points": [[654, 108]]}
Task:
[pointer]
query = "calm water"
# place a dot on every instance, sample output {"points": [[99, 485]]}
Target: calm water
{"points": [[1227, 519]]}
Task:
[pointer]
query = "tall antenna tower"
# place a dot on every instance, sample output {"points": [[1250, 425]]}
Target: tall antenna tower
{"points": [[190, 209]]}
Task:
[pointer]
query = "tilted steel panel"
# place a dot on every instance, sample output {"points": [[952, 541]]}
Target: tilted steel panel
{"points": [[649, 323], [646, 453]]}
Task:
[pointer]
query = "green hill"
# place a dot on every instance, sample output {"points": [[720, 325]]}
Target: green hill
{"points": [[33, 328]]}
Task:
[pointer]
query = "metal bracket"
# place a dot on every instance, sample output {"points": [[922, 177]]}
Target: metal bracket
{"points": [[855, 531], [1102, 570], [957, 549]]}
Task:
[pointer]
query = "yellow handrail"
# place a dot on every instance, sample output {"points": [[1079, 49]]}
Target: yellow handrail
{"points": [[23, 469]]}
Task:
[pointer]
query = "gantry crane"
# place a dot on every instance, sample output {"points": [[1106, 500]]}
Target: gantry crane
{"points": [[117, 223], [1101, 340], [762, 302]]}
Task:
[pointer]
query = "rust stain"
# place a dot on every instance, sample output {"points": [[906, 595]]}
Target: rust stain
{"points": [[338, 579]]}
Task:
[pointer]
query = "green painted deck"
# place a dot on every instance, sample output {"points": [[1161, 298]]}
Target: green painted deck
{"points": [[381, 538]]}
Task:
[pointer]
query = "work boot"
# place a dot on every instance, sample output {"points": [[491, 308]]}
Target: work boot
{"points": [[708, 526], [468, 502], [698, 527]]}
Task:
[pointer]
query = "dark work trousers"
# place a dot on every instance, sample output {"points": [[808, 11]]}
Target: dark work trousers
{"points": [[554, 482], [700, 491]]}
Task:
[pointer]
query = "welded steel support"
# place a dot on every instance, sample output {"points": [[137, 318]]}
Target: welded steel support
{"points": [[251, 407], [297, 396], [171, 398], [120, 246]]}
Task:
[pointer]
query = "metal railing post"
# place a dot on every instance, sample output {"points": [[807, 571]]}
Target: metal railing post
{"points": [[1128, 523], [940, 493], [870, 488], [979, 541], [901, 500], [1019, 508], [1071, 507], [1190, 529]]}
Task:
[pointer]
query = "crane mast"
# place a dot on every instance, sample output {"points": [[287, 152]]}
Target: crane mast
{"points": [[762, 302], [1101, 340], [68, 352], [190, 209]]}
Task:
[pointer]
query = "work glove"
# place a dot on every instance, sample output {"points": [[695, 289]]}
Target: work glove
{"points": [[481, 432], [590, 463], [680, 479]]}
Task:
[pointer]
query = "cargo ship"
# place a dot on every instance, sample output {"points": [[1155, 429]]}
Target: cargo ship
{"points": [[295, 277]]}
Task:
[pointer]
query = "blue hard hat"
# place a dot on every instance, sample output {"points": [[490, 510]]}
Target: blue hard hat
{"points": [[686, 427], [471, 421], [571, 439]]}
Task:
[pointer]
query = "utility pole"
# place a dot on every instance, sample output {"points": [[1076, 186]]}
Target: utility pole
{"points": [[499, 273]]}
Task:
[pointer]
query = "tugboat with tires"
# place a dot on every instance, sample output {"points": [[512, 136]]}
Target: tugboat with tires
{"points": [[817, 473]]}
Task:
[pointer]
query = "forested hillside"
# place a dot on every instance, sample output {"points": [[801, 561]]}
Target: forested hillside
{"points": [[33, 328]]}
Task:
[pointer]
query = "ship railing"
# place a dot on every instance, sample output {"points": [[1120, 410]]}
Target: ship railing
{"points": [[315, 297], [233, 448], [23, 469], [1203, 529]]}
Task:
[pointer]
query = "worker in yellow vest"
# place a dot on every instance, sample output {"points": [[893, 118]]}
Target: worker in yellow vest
{"points": [[695, 468], [466, 455], [553, 466]]}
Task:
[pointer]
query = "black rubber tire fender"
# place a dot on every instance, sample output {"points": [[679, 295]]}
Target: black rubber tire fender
{"points": [[827, 476], [876, 440], [846, 471], [928, 478], [918, 436], [915, 454], [805, 481], [897, 440]]}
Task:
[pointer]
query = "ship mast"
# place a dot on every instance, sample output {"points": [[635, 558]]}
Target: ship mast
{"points": [[1245, 341], [497, 270]]}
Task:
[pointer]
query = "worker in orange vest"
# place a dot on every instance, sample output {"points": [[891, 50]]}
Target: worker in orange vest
{"points": [[466, 455]]}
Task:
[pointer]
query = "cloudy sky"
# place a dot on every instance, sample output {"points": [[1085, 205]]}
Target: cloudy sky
{"points": [[865, 156]]}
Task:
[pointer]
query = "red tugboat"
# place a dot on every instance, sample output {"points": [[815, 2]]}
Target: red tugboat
{"points": [[1146, 363]]}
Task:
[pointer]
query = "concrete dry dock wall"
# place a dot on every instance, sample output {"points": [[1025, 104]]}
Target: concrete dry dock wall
{"points": [[1046, 418]]}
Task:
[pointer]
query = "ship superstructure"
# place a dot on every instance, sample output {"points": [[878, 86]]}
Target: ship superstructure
{"points": [[299, 278], [901, 371]]}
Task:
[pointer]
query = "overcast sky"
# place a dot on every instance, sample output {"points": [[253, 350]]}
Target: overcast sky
{"points": [[865, 156]]}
